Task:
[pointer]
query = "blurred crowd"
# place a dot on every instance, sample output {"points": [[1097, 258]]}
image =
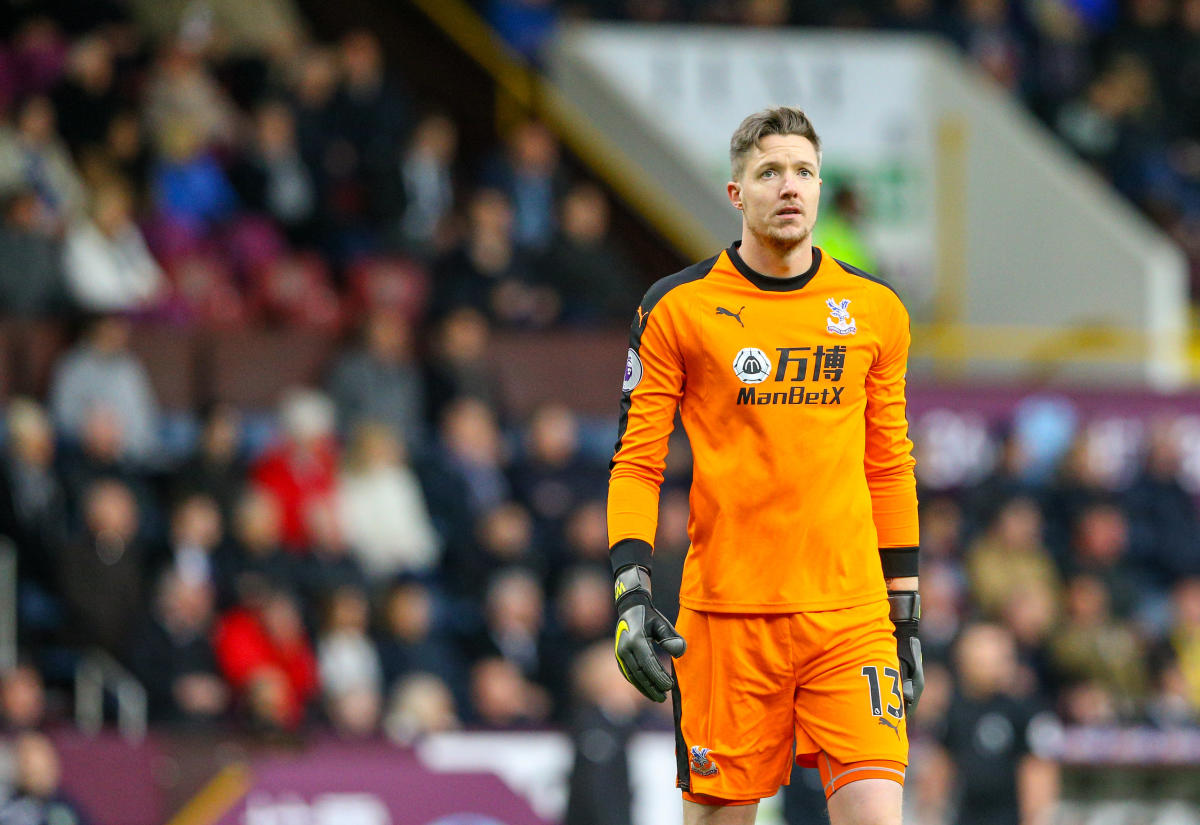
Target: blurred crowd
{"points": [[1117, 80]]}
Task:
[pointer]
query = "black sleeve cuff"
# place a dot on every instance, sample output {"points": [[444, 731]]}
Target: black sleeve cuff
{"points": [[899, 562], [630, 551]]}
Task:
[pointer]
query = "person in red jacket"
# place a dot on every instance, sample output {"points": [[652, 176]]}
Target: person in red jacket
{"points": [[266, 656]]}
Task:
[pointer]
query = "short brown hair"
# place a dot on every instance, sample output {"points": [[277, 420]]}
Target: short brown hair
{"points": [[779, 120]]}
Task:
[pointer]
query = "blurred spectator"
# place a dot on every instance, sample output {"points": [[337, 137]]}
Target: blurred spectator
{"points": [[991, 738], [257, 558], [986, 32], [122, 155], [412, 642], [33, 509], [272, 177], [604, 710], [331, 562], [841, 232], [23, 703], [488, 272], [101, 573], [1093, 646], [427, 173], [38, 798], [108, 267], [351, 675], [196, 532], [264, 654], [190, 187], [1164, 528], [503, 699], [1171, 704], [420, 704], [584, 616], [40, 51], [101, 372], [381, 381], [552, 475], [182, 98], [525, 25], [1101, 548], [32, 283], [1009, 556], [87, 98], [383, 508], [302, 468], [32, 156], [313, 87], [1031, 616], [513, 621], [172, 656], [503, 538], [1184, 636], [1008, 479], [530, 173], [473, 446], [216, 468], [460, 364], [584, 264]]}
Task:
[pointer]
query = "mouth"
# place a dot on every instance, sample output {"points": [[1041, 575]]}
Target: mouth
{"points": [[790, 211]]}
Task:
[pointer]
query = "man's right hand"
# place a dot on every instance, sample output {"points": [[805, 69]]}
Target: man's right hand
{"points": [[639, 624]]}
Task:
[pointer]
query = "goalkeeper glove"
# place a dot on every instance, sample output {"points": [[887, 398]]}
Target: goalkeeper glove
{"points": [[905, 612], [638, 625]]}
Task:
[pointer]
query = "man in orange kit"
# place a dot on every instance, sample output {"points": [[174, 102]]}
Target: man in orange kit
{"points": [[799, 601]]}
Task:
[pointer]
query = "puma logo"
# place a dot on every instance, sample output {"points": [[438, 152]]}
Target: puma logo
{"points": [[641, 317], [895, 727], [737, 316]]}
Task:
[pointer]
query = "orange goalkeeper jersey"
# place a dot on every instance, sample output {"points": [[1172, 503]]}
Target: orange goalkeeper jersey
{"points": [[792, 395]]}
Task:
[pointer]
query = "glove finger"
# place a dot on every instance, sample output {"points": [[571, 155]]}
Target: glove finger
{"points": [[653, 669], [666, 635], [630, 659], [645, 684]]}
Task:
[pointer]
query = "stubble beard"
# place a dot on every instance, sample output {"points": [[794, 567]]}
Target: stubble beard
{"points": [[781, 241]]}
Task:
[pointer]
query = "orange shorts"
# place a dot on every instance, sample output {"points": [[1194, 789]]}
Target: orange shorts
{"points": [[759, 693]]}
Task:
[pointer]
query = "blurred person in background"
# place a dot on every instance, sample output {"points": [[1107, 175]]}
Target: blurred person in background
{"points": [[551, 475], [123, 154], [87, 98], [190, 189], [38, 798], [1184, 635], [504, 538], [427, 177], [513, 622], [1100, 547], [23, 701], [255, 557], [196, 532], [603, 709], [33, 156], [420, 704], [584, 264], [459, 363], [181, 90], [101, 576], [488, 271], [172, 656], [1092, 645], [583, 617], [271, 177], [331, 562], [1008, 556], [531, 175], [473, 448], [216, 467], [101, 370], [1032, 616], [348, 663], [302, 467], [108, 267], [381, 380], [32, 281], [33, 513], [503, 699], [990, 764], [413, 641], [383, 508], [264, 653], [1164, 530]]}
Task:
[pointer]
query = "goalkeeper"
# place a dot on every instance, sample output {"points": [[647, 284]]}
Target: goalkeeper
{"points": [[796, 641]]}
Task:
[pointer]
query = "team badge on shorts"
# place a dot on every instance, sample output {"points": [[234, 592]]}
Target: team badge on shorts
{"points": [[839, 321], [701, 764]]}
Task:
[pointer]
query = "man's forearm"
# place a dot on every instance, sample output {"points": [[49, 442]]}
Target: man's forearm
{"points": [[902, 583]]}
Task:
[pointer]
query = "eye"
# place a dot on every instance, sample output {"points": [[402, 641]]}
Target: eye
{"points": [[806, 173], [769, 173]]}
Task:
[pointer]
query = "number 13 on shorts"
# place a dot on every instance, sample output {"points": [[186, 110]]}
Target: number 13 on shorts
{"points": [[878, 677]]}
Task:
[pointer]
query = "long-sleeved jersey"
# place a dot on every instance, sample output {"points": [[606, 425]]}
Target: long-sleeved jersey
{"points": [[792, 395]]}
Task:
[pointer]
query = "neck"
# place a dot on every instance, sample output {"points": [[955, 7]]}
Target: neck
{"points": [[773, 261]]}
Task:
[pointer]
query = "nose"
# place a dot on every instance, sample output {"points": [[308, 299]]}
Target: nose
{"points": [[791, 186]]}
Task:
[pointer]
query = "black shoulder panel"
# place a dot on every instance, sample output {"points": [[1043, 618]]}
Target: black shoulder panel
{"points": [[854, 270], [664, 285]]}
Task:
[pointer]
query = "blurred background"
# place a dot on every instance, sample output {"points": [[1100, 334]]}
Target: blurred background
{"points": [[312, 319]]}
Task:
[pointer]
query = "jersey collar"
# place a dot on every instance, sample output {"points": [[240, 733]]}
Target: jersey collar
{"points": [[766, 282]]}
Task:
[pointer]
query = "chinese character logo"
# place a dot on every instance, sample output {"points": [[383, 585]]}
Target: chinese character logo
{"points": [[751, 366], [839, 321]]}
